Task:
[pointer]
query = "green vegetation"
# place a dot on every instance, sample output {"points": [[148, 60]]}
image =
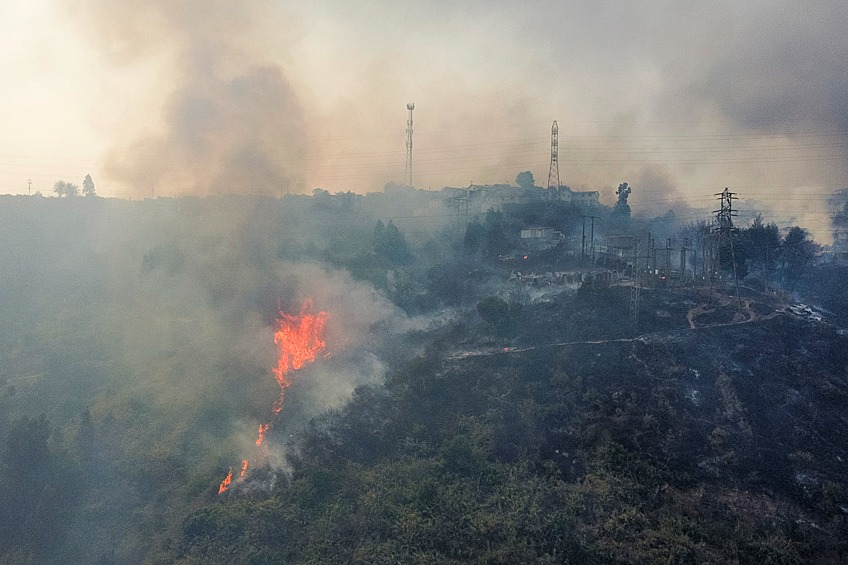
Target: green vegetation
{"points": [[550, 456], [507, 423]]}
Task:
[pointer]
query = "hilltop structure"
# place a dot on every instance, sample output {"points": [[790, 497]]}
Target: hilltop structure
{"points": [[479, 199]]}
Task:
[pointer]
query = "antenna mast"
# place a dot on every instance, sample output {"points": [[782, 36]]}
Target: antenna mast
{"points": [[553, 172], [407, 178]]}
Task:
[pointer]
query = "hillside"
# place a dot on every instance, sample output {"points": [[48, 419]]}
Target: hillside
{"points": [[702, 441], [455, 412]]}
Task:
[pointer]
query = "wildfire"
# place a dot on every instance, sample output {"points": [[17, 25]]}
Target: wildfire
{"points": [[299, 340], [225, 484], [262, 429]]}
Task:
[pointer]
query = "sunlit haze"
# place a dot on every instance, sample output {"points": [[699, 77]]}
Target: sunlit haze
{"points": [[680, 99]]}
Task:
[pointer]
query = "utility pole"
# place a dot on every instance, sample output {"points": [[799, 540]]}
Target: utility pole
{"points": [[634, 291], [668, 257], [593, 239], [695, 264], [29, 189], [583, 243], [653, 256], [591, 236], [683, 261]]}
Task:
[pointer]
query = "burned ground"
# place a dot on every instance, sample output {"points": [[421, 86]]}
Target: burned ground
{"points": [[718, 443], [460, 416]]}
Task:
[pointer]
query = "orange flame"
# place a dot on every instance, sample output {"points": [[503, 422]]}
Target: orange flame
{"points": [[262, 429], [299, 340], [225, 484]]}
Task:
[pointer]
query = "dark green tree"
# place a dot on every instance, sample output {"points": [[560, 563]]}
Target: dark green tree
{"points": [[68, 189], [839, 221], [732, 256], [761, 244], [498, 313], [798, 252], [496, 240], [396, 248], [88, 186], [379, 236], [475, 237], [621, 210], [390, 244], [85, 437], [26, 453], [525, 180], [40, 487]]}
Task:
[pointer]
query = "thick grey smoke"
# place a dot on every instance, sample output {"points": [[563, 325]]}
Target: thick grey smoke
{"points": [[158, 317], [783, 71], [229, 121], [252, 99], [220, 136], [658, 191]]}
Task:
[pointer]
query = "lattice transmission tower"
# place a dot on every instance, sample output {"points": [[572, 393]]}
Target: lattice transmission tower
{"points": [[553, 171], [722, 232], [407, 177]]}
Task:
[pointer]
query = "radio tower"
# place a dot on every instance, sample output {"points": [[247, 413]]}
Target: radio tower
{"points": [[553, 172], [407, 178]]}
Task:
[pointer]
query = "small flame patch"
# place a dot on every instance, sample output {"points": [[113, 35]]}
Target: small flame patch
{"points": [[225, 484]]}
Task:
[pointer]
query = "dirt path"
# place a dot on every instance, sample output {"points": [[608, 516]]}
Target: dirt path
{"points": [[744, 314], [753, 317]]}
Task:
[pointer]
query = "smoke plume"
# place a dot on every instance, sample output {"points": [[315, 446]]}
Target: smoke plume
{"points": [[229, 120]]}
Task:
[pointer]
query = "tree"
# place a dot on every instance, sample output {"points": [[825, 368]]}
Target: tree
{"points": [[41, 486], [498, 313], [761, 243], [496, 240], [525, 180], [797, 252], [85, 440], [62, 188], [379, 236], [390, 243], [26, 453], [396, 248], [839, 220], [622, 208], [88, 186], [475, 236]]}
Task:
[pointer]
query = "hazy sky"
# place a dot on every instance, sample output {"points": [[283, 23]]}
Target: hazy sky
{"points": [[680, 99]]}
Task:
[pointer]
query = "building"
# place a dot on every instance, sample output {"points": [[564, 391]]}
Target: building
{"points": [[479, 199], [540, 238]]}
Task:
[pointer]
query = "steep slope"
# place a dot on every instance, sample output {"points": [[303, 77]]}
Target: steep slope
{"points": [[716, 437]]}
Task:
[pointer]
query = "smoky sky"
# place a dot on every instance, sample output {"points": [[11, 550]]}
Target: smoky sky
{"points": [[266, 97], [784, 70], [229, 120]]}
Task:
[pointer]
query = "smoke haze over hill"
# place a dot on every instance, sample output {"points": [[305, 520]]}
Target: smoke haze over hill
{"points": [[211, 98]]}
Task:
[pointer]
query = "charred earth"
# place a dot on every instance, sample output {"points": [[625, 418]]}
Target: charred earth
{"points": [[715, 435]]}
